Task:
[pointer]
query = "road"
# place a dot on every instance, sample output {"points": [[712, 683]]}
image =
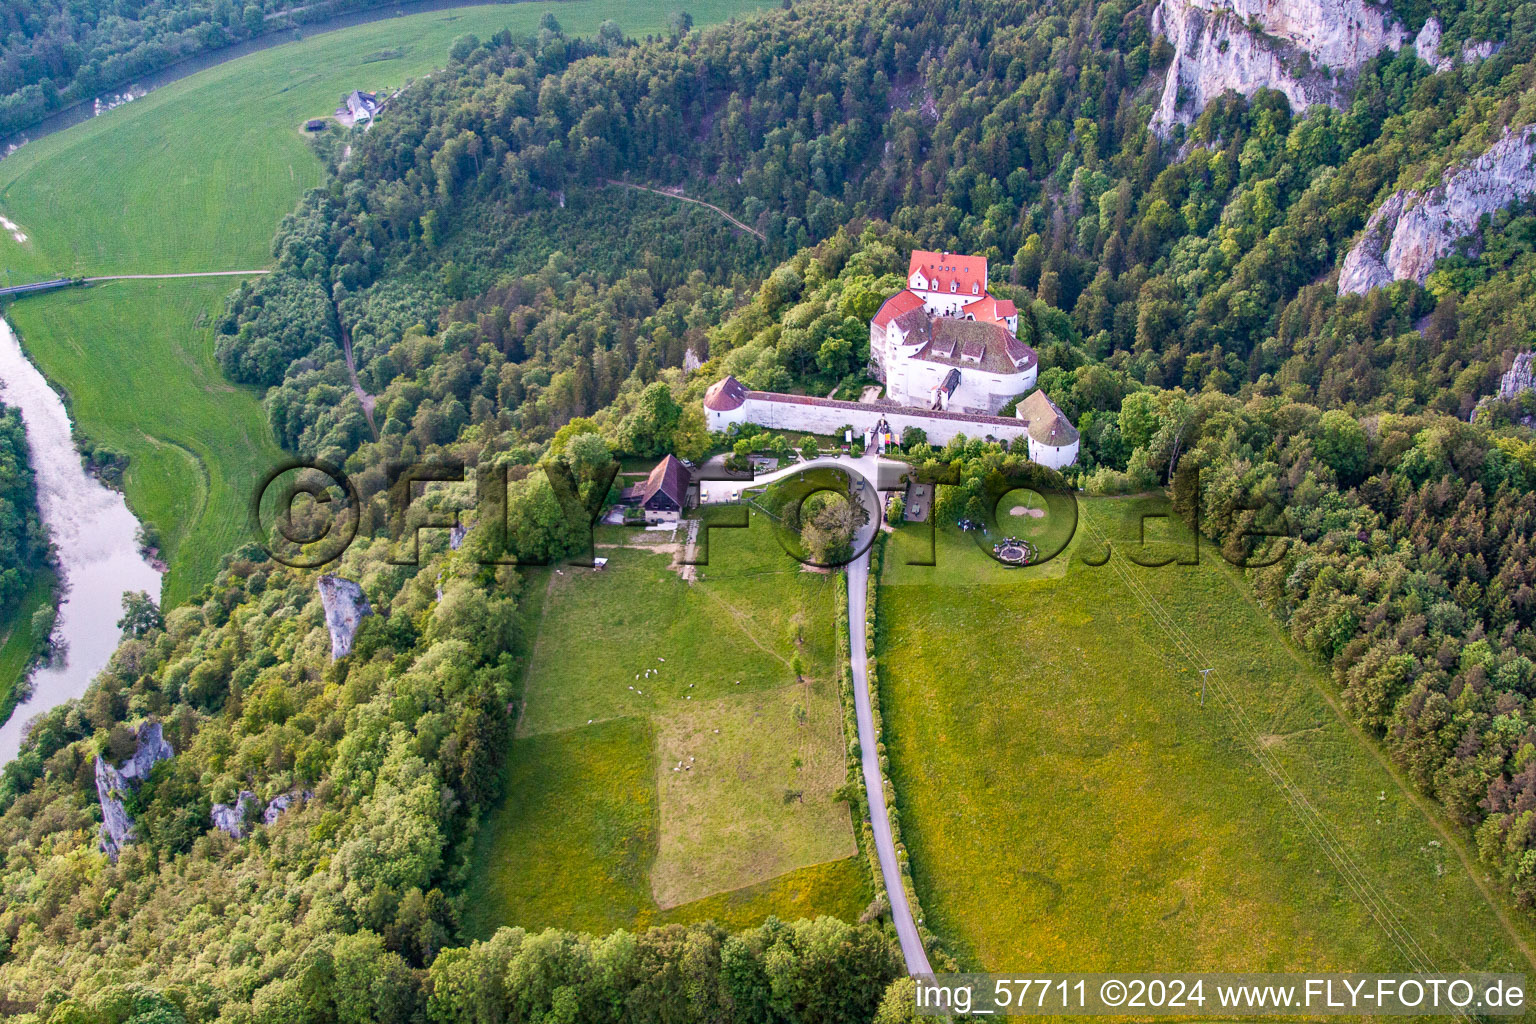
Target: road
{"points": [[167, 277], [869, 469], [879, 818]]}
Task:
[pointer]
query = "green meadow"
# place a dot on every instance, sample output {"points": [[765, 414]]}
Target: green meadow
{"points": [[703, 788], [1069, 804], [135, 360], [196, 175]]}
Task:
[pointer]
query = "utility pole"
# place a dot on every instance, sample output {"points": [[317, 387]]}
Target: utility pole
{"points": [[1204, 674]]}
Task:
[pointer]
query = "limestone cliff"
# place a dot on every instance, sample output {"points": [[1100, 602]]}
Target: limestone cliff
{"points": [[1516, 382], [114, 784], [282, 802], [1310, 50], [1410, 231], [345, 607]]}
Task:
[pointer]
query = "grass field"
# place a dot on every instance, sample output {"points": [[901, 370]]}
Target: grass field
{"points": [[196, 175], [599, 657], [136, 360], [597, 830], [16, 637], [1068, 804]]}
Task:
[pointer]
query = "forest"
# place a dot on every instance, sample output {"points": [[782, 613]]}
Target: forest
{"points": [[507, 305], [23, 538]]}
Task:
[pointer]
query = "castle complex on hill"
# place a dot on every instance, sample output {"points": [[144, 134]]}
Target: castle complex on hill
{"points": [[944, 343], [950, 359]]}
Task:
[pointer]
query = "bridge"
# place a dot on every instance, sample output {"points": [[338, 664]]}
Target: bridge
{"points": [[39, 286]]}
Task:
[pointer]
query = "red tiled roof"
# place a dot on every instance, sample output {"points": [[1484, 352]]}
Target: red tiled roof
{"points": [[904, 301], [942, 268], [724, 395], [989, 309]]}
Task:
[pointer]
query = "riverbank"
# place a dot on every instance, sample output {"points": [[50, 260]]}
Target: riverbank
{"points": [[94, 534]]}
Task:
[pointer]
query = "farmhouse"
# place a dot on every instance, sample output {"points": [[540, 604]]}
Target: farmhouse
{"points": [[664, 494], [944, 343], [358, 107]]}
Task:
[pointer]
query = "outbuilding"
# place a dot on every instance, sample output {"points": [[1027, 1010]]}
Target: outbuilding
{"points": [[664, 494]]}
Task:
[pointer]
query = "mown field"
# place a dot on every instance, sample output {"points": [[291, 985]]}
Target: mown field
{"points": [[135, 359], [1068, 803], [196, 176], [703, 788]]}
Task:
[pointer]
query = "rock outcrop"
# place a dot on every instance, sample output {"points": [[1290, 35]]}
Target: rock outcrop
{"points": [[231, 817], [345, 607], [1310, 50], [1516, 381], [1411, 231], [282, 802], [1427, 45], [114, 784]]}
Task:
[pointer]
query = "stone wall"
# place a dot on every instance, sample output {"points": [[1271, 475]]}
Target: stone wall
{"points": [[823, 416]]}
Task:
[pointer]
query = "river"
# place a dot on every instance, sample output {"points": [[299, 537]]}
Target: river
{"points": [[95, 534]]}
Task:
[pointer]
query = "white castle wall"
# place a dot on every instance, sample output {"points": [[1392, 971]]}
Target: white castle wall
{"points": [[911, 382], [827, 419], [1056, 457]]}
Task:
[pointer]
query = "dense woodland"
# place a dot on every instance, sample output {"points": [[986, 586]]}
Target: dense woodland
{"points": [[25, 550], [23, 538], [507, 304]]}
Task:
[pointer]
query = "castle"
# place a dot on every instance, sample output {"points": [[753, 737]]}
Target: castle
{"points": [[948, 355], [943, 342]]}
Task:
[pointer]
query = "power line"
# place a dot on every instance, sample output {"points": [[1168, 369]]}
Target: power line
{"points": [[1321, 831]]}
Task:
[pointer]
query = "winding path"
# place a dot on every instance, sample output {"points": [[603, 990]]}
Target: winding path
{"points": [[689, 199]]}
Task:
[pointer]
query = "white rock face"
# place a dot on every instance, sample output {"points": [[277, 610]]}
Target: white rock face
{"points": [[1427, 46], [1310, 50], [282, 802], [113, 784], [231, 817], [1410, 232], [345, 607]]}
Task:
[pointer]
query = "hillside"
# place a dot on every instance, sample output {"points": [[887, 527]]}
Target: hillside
{"points": [[1181, 272]]}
